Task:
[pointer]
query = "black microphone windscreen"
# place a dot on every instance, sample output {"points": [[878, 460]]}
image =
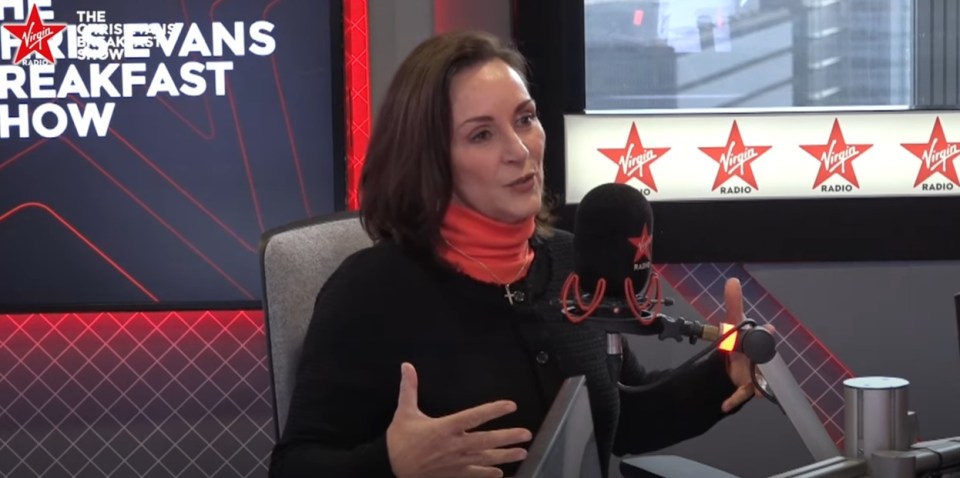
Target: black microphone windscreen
{"points": [[613, 232]]}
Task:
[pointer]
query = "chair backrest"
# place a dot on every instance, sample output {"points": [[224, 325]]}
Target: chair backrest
{"points": [[295, 261]]}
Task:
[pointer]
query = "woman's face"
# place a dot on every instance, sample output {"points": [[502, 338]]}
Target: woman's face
{"points": [[496, 147]]}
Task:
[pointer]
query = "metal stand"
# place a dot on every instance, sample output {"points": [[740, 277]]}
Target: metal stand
{"points": [[880, 437], [779, 384], [875, 416]]}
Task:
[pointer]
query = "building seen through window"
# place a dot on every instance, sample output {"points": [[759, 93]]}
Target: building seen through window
{"points": [[705, 54]]}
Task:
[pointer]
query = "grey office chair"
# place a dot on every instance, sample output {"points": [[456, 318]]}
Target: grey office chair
{"points": [[295, 261], [956, 304]]}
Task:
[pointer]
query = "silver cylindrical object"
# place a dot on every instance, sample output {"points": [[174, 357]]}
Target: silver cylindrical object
{"points": [[875, 417], [614, 344]]}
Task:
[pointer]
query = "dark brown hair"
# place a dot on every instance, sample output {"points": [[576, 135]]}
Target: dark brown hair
{"points": [[406, 183]]}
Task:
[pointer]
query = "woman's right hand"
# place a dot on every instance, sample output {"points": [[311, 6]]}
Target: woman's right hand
{"points": [[423, 447]]}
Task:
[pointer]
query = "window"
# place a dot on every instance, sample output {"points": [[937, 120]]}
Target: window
{"points": [[706, 54]]}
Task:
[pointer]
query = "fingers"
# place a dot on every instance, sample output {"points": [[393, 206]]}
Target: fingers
{"points": [[474, 417], [733, 301], [494, 457], [482, 472], [478, 453], [407, 401], [479, 441], [741, 395]]}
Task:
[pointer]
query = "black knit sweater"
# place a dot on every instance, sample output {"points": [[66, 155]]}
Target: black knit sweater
{"points": [[469, 346]]}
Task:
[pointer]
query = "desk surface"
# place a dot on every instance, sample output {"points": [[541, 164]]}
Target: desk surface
{"points": [[668, 466]]}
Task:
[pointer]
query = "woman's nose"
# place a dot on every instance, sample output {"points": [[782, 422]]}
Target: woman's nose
{"points": [[516, 149]]}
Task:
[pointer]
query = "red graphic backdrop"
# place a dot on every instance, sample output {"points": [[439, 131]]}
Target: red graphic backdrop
{"points": [[168, 206], [357, 70], [164, 393], [134, 394]]}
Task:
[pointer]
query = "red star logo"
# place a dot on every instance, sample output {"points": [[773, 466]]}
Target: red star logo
{"points": [[736, 159], [34, 36], [836, 157], [634, 160], [936, 156], [643, 245]]}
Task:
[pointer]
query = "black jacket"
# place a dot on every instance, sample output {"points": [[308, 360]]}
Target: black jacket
{"points": [[469, 346]]}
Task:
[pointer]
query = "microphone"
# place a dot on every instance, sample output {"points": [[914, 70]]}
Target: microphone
{"points": [[612, 243], [615, 286]]}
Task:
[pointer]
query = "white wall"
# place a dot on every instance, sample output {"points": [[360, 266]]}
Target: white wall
{"points": [[490, 15], [397, 26]]}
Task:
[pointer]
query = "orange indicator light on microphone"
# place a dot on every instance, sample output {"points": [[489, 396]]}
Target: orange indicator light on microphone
{"points": [[729, 343]]}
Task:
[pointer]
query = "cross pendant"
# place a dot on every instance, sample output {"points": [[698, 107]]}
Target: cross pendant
{"points": [[510, 294]]}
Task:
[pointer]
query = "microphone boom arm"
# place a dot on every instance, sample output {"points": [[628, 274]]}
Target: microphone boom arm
{"points": [[663, 326]]}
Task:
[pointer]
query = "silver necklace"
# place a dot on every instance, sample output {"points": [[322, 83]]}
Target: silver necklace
{"points": [[510, 295]]}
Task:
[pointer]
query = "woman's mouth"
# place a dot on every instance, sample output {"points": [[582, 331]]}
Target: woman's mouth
{"points": [[524, 183], [526, 178]]}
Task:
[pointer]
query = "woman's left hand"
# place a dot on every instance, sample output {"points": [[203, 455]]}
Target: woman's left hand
{"points": [[738, 365]]}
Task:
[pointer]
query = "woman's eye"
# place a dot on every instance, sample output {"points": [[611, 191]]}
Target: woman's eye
{"points": [[481, 136], [528, 118]]}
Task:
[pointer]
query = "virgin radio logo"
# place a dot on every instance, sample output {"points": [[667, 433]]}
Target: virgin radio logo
{"points": [[736, 160], [109, 62], [634, 160], [836, 159], [644, 254], [34, 37], [936, 157]]}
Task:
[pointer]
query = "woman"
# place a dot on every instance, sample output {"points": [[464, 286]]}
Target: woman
{"points": [[436, 352]]}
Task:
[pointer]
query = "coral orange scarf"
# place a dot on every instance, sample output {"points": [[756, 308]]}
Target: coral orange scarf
{"points": [[486, 249]]}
